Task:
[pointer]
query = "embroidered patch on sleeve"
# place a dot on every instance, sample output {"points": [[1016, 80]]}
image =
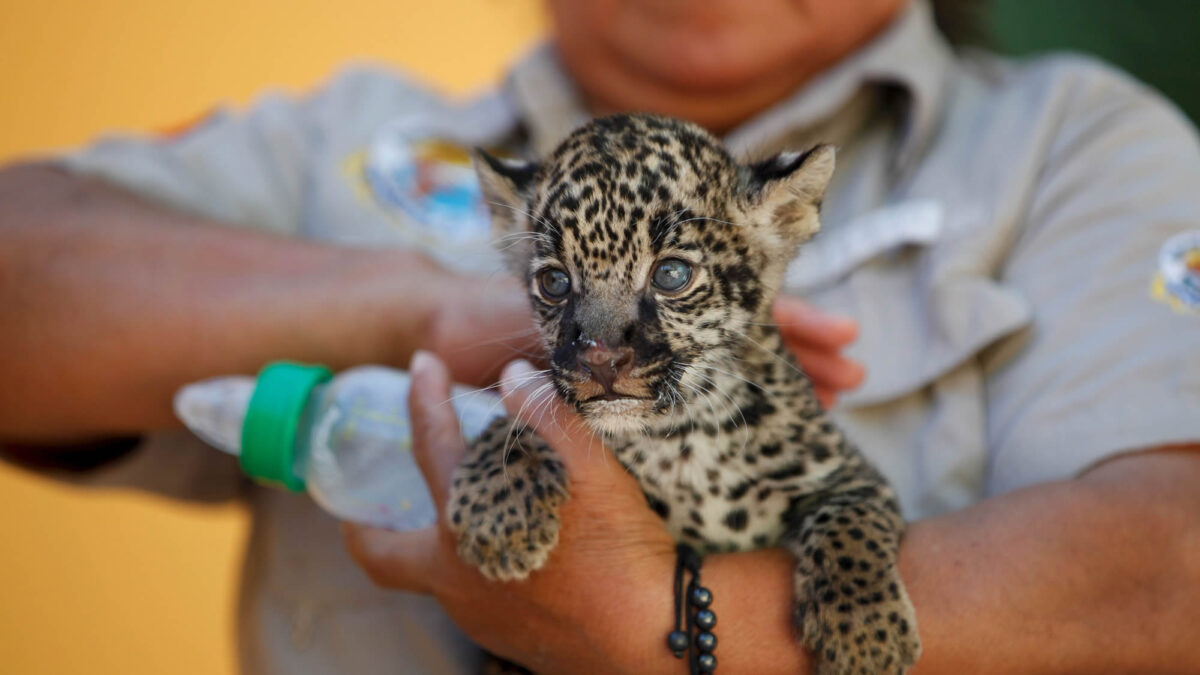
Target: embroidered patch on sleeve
{"points": [[428, 179], [1177, 281]]}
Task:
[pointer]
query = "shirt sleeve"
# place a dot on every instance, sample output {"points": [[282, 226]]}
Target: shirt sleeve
{"points": [[240, 169], [1104, 367]]}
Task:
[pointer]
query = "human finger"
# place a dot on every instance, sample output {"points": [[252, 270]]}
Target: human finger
{"points": [[829, 369], [532, 400], [437, 441], [804, 323]]}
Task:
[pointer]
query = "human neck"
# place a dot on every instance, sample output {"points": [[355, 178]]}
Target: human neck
{"points": [[718, 110]]}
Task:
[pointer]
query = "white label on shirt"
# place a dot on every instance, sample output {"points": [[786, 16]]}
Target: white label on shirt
{"points": [[827, 258]]}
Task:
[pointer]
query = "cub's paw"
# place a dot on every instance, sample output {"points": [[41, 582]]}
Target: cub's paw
{"points": [[506, 516], [858, 622]]}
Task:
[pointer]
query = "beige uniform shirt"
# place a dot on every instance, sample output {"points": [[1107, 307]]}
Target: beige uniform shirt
{"points": [[995, 228]]}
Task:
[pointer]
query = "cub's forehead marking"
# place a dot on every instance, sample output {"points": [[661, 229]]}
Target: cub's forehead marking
{"points": [[627, 188]]}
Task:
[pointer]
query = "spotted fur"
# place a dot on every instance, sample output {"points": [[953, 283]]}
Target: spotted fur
{"points": [[692, 389]]}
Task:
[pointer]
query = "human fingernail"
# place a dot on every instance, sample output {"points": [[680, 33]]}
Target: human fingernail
{"points": [[422, 361], [515, 373], [842, 324]]}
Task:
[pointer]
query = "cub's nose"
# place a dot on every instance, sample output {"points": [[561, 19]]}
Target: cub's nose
{"points": [[605, 365]]}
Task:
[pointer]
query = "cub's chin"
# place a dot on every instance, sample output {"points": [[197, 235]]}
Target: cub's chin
{"points": [[617, 416]]}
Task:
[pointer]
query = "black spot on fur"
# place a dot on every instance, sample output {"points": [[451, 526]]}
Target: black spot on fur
{"points": [[736, 520], [660, 507], [738, 491]]}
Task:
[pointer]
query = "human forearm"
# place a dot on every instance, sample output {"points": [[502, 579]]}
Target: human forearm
{"points": [[1098, 574], [110, 304]]}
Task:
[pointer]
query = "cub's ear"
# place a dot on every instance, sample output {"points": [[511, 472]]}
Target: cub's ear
{"points": [[784, 192], [506, 185]]}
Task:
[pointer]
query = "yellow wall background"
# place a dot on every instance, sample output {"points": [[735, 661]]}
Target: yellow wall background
{"points": [[90, 582]]}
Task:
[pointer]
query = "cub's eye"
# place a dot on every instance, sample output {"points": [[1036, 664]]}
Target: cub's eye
{"points": [[672, 274], [554, 283]]}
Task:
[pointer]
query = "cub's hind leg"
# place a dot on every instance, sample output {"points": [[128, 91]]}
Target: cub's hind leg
{"points": [[852, 610], [504, 501]]}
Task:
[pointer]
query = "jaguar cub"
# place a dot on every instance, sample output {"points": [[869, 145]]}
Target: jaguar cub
{"points": [[651, 259]]}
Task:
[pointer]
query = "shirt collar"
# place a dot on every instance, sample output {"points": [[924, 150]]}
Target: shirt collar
{"points": [[909, 54], [547, 101]]}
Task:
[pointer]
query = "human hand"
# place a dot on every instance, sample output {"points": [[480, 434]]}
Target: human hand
{"points": [[482, 324], [817, 339], [603, 597]]}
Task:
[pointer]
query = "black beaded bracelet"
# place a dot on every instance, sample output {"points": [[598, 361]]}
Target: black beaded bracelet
{"points": [[693, 611]]}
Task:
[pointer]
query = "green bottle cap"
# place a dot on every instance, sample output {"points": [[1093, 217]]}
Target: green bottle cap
{"points": [[269, 431]]}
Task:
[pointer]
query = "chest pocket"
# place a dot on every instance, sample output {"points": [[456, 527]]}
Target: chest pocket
{"points": [[918, 277]]}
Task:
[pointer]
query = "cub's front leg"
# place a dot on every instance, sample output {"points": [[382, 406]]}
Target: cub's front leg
{"points": [[504, 501], [852, 610]]}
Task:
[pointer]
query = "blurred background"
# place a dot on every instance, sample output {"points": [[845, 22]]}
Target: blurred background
{"points": [[120, 582]]}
